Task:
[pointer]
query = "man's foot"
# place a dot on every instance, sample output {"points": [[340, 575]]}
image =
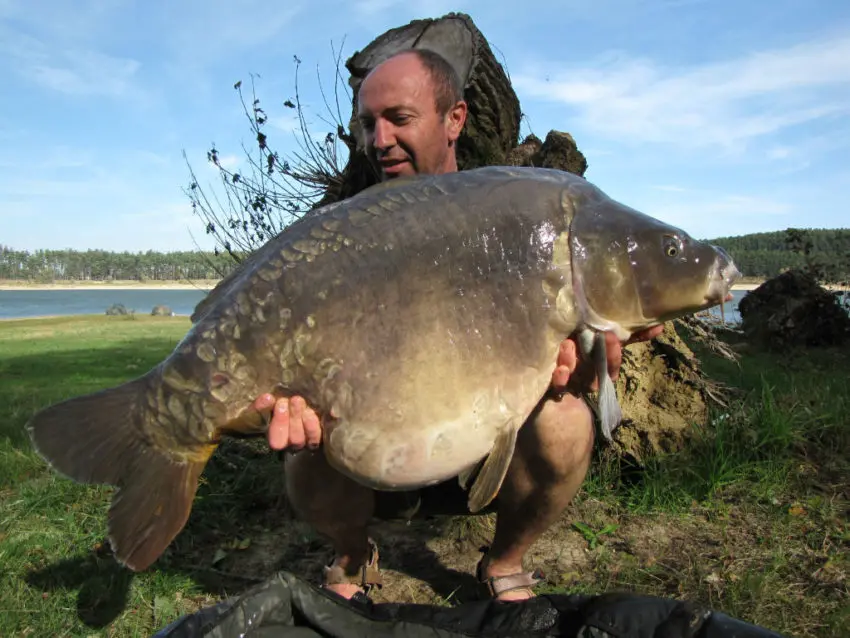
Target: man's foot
{"points": [[507, 584], [358, 584]]}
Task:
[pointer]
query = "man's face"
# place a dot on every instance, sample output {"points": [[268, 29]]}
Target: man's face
{"points": [[404, 133]]}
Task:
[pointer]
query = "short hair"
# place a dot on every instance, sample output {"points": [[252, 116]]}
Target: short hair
{"points": [[448, 87]]}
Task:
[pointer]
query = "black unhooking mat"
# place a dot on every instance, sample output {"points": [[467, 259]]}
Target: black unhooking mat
{"points": [[288, 607]]}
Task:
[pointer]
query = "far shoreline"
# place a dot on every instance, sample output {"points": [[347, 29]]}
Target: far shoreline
{"points": [[204, 285]]}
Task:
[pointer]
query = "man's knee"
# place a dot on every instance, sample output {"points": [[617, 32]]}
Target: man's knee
{"points": [[559, 441], [316, 491]]}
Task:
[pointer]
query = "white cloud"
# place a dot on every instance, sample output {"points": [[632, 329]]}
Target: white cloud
{"points": [[209, 29], [369, 7], [228, 162], [723, 104], [285, 123], [779, 152], [413, 9], [64, 21], [71, 70], [710, 214], [46, 159], [87, 73]]}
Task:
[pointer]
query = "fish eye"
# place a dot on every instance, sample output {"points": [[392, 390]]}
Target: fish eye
{"points": [[671, 246]]}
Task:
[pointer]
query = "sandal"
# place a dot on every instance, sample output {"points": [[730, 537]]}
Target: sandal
{"points": [[497, 585], [367, 577]]}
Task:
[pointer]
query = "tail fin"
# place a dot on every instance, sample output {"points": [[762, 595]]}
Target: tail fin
{"points": [[97, 438]]}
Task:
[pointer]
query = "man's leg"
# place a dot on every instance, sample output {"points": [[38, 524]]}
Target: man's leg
{"points": [[550, 463], [337, 508]]}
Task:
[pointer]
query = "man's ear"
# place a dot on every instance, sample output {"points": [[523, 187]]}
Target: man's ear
{"points": [[455, 119]]}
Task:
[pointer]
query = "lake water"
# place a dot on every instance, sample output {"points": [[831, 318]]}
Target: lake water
{"points": [[730, 308], [18, 304]]}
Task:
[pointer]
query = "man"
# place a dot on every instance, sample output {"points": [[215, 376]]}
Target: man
{"points": [[412, 112]]}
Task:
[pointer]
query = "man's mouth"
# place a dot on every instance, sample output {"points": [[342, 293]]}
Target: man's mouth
{"points": [[390, 163], [393, 168]]}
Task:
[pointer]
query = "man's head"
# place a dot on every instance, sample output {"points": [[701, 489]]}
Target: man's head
{"points": [[412, 111]]}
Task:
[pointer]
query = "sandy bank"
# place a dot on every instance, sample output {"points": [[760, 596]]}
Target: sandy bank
{"points": [[203, 285], [754, 286]]}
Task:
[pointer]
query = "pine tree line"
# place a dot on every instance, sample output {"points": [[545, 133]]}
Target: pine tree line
{"points": [[757, 255], [45, 266], [824, 252]]}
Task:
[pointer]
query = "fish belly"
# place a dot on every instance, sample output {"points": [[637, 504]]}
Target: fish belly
{"points": [[426, 437]]}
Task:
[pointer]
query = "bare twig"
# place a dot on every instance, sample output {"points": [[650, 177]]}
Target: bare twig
{"points": [[272, 191]]}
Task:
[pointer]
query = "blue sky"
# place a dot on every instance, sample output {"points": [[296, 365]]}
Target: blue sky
{"points": [[722, 117]]}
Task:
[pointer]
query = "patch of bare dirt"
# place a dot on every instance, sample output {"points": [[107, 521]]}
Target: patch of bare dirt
{"points": [[791, 310], [663, 392]]}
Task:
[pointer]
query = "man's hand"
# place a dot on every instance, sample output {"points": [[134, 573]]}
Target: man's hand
{"points": [[293, 425], [580, 375]]}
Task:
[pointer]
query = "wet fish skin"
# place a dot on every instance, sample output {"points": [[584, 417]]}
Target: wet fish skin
{"points": [[382, 311]]}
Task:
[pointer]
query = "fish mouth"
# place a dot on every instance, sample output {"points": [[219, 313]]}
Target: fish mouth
{"points": [[723, 276]]}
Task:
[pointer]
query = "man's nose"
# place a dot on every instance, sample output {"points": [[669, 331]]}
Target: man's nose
{"points": [[384, 137]]}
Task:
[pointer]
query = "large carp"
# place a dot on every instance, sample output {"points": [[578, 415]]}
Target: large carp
{"points": [[420, 318]]}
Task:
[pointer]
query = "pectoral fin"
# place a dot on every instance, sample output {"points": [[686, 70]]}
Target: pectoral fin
{"points": [[492, 473], [610, 413], [466, 477]]}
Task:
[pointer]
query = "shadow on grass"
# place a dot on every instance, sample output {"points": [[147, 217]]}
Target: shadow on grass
{"points": [[227, 506], [102, 583], [241, 496]]}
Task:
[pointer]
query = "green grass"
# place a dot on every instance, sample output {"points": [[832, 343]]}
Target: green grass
{"points": [[750, 519], [58, 578], [759, 499]]}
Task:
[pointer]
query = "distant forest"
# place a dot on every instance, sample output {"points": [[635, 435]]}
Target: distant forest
{"points": [[45, 266], [757, 255], [827, 251]]}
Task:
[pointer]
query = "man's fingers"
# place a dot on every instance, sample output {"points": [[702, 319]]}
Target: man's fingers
{"points": [[567, 355], [614, 351], [278, 434], [651, 333], [565, 365], [646, 335], [560, 377], [293, 423], [264, 402], [312, 428], [297, 438]]}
